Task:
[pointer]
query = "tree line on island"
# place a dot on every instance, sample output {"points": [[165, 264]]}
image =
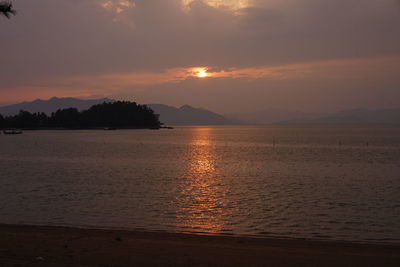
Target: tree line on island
{"points": [[119, 114]]}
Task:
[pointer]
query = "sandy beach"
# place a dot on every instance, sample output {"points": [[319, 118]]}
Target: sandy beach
{"points": [[63, 246]]}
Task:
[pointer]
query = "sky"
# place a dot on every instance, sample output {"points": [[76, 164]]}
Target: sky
{"points": [[229, 56]]}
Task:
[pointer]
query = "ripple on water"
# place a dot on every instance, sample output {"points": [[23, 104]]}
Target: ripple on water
{"points": [[209, 180]]}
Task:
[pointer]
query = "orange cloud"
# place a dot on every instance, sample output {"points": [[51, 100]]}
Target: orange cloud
{"points": [[232, 4], [326, 69], [332, 71], [117, 6]]}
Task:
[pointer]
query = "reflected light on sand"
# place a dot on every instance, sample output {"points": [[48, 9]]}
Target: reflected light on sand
{"points": [[202, 194]]}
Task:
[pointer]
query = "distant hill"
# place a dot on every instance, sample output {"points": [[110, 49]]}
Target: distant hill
{"points": [[52, 105], [353, 116], [187, 115], [271, 116]]}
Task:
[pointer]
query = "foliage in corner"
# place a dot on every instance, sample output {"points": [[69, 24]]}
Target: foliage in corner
{"points": [[6, 9]]}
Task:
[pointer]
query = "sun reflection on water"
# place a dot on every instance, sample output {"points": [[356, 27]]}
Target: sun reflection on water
{"points": [[202, 194]]}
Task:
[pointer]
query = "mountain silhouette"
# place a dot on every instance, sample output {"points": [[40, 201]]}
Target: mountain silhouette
{"points": [[52, 105], [353, 117], [185, 115], [271, 116], [188, 115]]}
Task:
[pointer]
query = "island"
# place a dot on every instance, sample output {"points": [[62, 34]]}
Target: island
{"points": [[108, 115]]}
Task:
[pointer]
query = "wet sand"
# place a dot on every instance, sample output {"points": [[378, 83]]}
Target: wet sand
{"points": [[63, 246]]}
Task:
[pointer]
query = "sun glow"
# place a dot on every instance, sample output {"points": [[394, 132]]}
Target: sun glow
{"points": [[231, 4], [117, 6], [202, 197], [201, 72]]}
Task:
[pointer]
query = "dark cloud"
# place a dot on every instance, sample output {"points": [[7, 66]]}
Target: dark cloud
{"points": [[51, 38]]}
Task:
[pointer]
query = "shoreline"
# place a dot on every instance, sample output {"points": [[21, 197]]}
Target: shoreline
{"points": [[389, 242], [30, 245], [84, 129]]}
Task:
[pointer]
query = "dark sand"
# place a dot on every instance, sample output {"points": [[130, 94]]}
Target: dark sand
{"points": [[62, 246]]}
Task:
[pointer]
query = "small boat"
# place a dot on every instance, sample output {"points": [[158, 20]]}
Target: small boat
{"points": [[12, 131]]}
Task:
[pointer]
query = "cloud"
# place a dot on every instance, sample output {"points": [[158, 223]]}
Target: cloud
{"points": [[234, 5], [117, 6], [114, 39], [59, 36], [356, 73]]}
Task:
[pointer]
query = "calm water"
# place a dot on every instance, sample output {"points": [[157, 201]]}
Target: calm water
{"points": [[321, 183]]}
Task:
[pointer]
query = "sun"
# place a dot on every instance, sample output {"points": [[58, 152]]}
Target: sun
{"points": [[201, 72]]}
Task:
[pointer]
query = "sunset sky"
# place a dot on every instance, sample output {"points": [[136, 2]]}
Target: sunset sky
{"points": [[225, 55]]}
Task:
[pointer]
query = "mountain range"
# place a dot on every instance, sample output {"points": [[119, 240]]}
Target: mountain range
{"points": [[188, 115], [185, 115], [352, 116], [271, 116], [52, 105]]}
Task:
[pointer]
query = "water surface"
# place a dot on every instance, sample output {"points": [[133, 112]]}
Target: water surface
{"points": [[340, 183]]}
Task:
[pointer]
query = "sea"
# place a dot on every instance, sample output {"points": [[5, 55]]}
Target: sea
{"points": [[324, 183]]}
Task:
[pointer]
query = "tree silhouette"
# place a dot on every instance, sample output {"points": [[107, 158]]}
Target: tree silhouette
{"points": [[121, 114], [6, 9], [2, 121]]}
